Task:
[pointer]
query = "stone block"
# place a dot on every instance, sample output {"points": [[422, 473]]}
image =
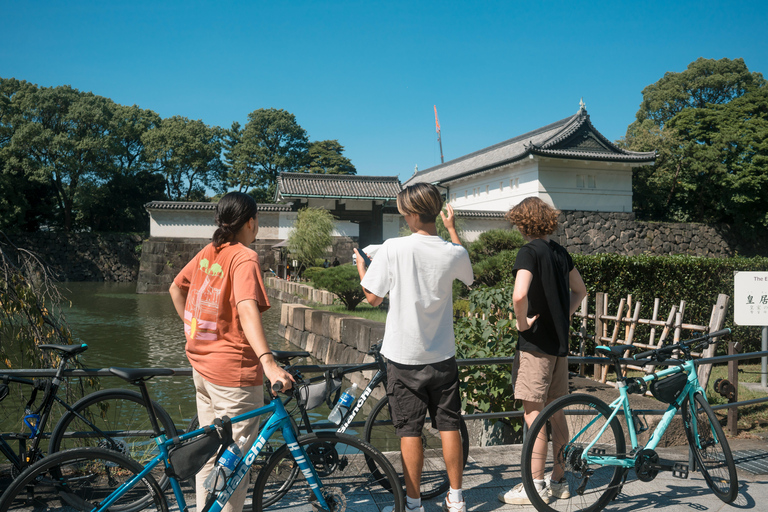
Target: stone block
{"points": [[313, 320], [332, 325], [310, 346], [299, 313]]}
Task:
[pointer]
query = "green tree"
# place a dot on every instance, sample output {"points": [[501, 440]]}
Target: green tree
{"points": [[311, 237], [709, 125], [187, 154], [58, 136], [344, 281], [271, 142], [325, 157]]}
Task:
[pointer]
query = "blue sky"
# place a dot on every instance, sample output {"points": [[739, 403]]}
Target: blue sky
{"points": [[368, 73]]}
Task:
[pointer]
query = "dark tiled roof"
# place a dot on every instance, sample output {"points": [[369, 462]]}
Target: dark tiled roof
{"points": [[572, 137], [297, 184], [480, 214], [182, 205]]}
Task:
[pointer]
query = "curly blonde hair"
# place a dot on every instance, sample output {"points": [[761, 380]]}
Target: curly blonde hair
{"points": [[533, 217]]}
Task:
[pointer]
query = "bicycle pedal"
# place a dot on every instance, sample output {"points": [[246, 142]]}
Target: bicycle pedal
{"points": [[680, 470]]}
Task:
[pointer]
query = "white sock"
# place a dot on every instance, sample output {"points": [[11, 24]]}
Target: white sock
{"points": [[412, 503], [455, 495], [540, 484]]}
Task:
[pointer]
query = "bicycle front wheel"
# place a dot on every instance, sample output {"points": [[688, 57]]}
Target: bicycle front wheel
{"points": [[565, 429], [710, 448], [380, 432], [343, 465], [81, 479], [115, 419]]}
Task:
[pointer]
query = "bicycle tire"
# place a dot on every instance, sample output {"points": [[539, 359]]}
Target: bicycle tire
{"points": [[710, 448], [78, 479], [343, 465], [591, 487], [116, 411], [380, 433]]}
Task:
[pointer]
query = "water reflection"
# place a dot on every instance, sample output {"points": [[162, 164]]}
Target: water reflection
{"points": [[123, 328]]}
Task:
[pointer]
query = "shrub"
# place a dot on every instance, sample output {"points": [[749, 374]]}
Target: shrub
{"points": [[493, 242], [696, 280], [311, 235], [495, 269], [344, 281], [311, 272], [490, 334]]}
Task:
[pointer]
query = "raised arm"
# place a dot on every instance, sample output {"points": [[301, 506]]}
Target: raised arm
{"points": [[449, 221]]}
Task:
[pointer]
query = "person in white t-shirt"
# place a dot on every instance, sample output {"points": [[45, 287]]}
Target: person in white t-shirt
{"points": [[418, 272]]}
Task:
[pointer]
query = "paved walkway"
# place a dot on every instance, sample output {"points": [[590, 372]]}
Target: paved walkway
{"points": [[493, 470], [496, 469]]}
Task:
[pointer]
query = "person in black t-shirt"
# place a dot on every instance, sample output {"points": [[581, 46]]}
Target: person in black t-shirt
{"points": [[548, 290]]}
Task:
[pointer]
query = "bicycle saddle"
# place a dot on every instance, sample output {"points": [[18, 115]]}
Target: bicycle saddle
{"points": [[614, 352], [72, 350], [136, 374], [283, 356]]}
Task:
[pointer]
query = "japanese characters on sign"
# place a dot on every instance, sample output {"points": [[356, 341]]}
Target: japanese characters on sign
{"points": [[750, 298]]}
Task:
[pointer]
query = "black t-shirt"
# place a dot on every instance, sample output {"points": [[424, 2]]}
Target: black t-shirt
{"points": [[548, 296]]}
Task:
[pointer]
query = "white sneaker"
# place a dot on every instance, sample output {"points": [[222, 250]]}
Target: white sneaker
{"points": [[458, 506], [558, 490], [517, 496], [391, 508]]}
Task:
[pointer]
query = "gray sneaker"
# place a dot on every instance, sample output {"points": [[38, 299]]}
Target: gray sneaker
{"points": [[517, 496]]}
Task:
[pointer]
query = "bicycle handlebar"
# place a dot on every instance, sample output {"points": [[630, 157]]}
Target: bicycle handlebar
{"points": [[671, 348]]}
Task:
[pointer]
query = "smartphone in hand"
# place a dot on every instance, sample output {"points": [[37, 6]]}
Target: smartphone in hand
{"points": [[366, 259]]}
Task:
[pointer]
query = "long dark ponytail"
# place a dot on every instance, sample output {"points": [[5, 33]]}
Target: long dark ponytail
{"points": [[232, 212]]}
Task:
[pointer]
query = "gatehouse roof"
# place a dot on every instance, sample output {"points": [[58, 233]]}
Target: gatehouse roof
{"points": [[336, 186], [573, 138], [190, 205]]}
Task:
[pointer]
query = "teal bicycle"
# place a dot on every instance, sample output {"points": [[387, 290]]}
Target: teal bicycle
{"points": [[577, 444], [337, 472]]}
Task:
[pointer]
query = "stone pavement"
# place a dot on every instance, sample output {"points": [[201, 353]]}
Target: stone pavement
{"points": [[496, 469]]}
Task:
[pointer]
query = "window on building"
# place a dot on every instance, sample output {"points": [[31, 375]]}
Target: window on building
{"points": [[579, 181], [591, 182], [517, 182], [486, 189], [465, 194]]}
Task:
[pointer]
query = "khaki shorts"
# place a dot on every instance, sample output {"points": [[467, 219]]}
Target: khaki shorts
{"points": [[539, 377]]}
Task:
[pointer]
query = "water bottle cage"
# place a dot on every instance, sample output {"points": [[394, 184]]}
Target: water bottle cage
{"points": [[32, 420]]}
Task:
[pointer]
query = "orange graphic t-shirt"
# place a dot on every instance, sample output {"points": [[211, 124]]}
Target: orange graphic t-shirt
{"points": [[216, 280]]}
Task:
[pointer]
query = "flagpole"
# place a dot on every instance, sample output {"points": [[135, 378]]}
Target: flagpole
{"points": [[439, 140]]}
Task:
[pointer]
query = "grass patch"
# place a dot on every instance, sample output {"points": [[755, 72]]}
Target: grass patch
{"points": [[363, 310]]}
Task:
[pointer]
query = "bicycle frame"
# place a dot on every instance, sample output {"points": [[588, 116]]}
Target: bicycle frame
{"points": [[279, 420], [377, 378], [622, 404]]}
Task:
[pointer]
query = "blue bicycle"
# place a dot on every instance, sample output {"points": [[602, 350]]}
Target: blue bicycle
{"points": [[339, 472], [577, 446]]}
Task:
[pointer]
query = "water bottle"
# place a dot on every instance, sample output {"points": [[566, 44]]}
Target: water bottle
{"points": [[224, 466], [343, 405]]}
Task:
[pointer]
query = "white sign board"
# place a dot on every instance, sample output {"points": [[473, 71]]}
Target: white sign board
{"points": [[750, 298]]}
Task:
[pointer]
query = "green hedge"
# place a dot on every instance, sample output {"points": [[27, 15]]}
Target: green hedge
{"points": [[696, 280]]}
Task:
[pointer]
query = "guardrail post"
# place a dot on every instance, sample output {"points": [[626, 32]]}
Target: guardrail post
{"points": [[734, 347]]}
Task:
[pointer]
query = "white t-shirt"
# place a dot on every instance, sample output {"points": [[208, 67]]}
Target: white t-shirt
{"points": [[418, 272]]}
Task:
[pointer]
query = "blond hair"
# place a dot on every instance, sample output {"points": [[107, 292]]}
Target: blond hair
{"points": [[533, 217], [421, 199]]}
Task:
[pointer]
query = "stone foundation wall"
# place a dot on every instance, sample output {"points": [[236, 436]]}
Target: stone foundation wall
{"points": [[619, 233], [86, 256], [333, 338]]}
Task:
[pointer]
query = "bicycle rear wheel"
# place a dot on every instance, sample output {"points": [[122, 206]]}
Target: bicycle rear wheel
{"points": [[588, 487], [710, 447], [81, 479], [343, 464], [380, 432], [121, 416]]}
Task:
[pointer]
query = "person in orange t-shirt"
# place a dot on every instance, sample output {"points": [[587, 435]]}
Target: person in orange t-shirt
{"points": [[220, 297]]}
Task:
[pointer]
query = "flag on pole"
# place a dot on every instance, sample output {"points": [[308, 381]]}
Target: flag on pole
{"points": [[437, 123]]}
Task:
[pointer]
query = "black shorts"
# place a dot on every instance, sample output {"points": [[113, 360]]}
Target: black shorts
{"points": [[415, 389]]}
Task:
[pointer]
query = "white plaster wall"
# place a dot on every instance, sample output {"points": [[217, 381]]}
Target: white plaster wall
{"points": [[181, 223], [472, 228], [392, 224], [346, 228], [612, 191], [496, 191]]}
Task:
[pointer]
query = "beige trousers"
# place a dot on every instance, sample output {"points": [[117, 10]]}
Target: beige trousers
{"points": [[215, 401]]}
